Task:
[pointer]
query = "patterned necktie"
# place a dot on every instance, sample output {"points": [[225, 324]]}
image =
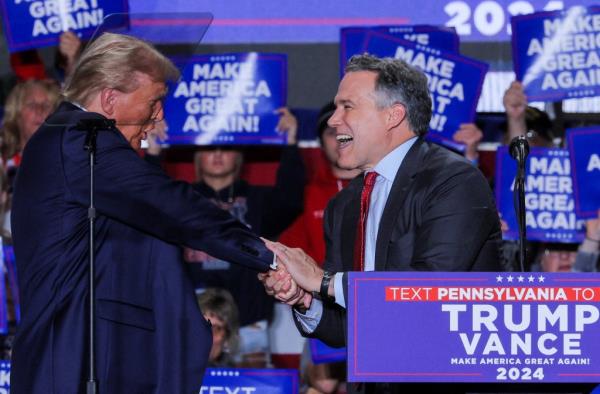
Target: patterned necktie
{"points": [[359, 243]]}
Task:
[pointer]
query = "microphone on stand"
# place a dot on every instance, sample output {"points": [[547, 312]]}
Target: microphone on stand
{"points": [[519, 150], [92, 126]]}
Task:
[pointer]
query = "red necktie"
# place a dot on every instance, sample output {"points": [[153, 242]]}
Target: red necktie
{"points": [[359, 243]]}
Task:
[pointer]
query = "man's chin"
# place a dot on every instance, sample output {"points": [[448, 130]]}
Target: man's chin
{"points": [[345, 164]]}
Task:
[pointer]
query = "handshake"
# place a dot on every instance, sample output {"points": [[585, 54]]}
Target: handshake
{"points": [[296, 278]]}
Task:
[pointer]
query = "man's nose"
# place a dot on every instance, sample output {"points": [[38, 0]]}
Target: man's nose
{"points": [[334, 119]]}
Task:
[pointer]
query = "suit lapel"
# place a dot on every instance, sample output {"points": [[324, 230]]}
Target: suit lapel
{"points": [[349, 226], [402, 182]]}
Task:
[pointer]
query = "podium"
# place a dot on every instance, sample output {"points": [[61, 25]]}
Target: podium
{"points": [[508, 327]]}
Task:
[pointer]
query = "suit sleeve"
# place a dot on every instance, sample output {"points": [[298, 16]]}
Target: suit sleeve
{"points": [[141, 195], [332, 326], [458, 216]]}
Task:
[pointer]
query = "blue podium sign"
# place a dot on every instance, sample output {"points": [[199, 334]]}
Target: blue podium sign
{"points": [[33, 24], [549, 201], [4, 377], [249, 381], [557, 54], [227, 99], [454, 81], [473, 327], [219, 380], [352, 39], [584, 152]]}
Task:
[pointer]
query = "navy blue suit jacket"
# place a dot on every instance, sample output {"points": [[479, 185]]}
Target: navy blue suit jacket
{"points": [[151, 336]]}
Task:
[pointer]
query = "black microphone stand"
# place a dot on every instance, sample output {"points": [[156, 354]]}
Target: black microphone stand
{"points": [[519, 149], [92, 126]]}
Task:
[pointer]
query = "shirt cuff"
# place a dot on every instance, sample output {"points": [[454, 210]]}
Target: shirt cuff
{"points": [[311, 318], [338, 287], [273, 265]]}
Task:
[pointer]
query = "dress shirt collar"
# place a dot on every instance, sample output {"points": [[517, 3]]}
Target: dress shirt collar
{"points": [[81, 107], [389, 165]]}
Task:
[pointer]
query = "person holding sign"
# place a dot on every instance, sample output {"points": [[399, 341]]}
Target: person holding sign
{"points": [[522, 119], [588, 253], [418, 206], [150, 334], [267, 211]]}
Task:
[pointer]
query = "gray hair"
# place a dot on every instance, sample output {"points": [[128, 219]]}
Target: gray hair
{"points": [[398, 82], [111, 61]]}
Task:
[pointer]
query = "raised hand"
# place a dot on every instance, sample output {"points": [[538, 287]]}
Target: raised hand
{"points": [[288, 124]]}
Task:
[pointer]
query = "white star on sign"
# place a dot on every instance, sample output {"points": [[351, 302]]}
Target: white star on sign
{"points": [[531, 278], [541, 278], [520, 278], [498, 278], [509, 278]]}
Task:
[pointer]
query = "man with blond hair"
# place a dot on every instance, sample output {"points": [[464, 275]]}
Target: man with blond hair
{"points": [[150, 335]]}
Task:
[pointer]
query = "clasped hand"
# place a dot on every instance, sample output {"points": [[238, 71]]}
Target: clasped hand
{"points": [[296, 277]]}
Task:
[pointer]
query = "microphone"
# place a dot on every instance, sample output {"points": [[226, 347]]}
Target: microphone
{"points": [[519, 148], [92, 126], [96, 124]]}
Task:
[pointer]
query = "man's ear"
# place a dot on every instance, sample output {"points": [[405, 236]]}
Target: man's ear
{"points": [[108, 100], [396, 115]]}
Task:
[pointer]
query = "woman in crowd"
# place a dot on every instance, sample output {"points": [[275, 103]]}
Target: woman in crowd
{"points": [[218, 307], [26, 108]]}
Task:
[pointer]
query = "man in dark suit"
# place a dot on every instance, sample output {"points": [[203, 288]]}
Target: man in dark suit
{"points": [[428, 210], [150, 334]]}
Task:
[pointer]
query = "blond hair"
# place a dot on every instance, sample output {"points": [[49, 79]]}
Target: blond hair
{"points": [[112, 61], [10, 133]]}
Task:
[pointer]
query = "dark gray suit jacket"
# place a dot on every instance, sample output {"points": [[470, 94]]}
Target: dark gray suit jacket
{"points": [[440, 216]]}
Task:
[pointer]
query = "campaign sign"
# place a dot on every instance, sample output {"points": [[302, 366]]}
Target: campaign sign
{"points": [[352, 39], [227, 99], [454, 81], [473, 327], [3, 300], [4, 376], [584, 152], [321, 353], [557, 54], [219, 380], [11, 272], [549, 201], [248, 381], [33, 24]]}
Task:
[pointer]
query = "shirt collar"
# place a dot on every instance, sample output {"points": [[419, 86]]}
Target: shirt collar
{"points": [[389, 165], [81, 107]]}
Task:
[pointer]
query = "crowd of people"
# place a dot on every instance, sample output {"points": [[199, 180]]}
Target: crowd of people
{"points": [[307, 214]]}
